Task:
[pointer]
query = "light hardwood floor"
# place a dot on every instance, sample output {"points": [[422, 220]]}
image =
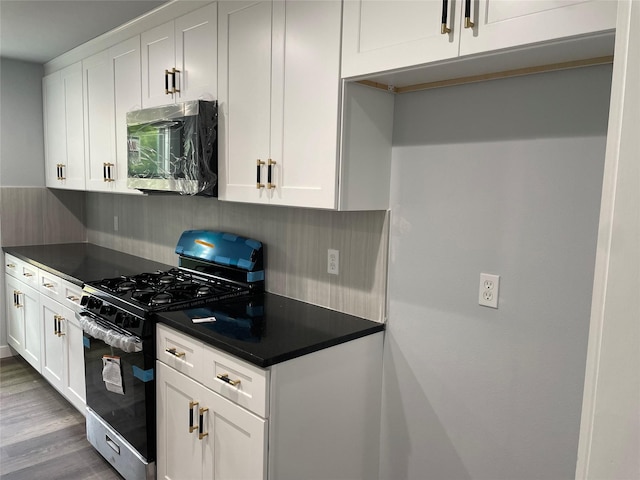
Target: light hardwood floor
{"points": [[41, 435]]}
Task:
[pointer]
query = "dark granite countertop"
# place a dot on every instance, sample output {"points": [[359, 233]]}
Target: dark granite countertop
{"points": [[83, 262], [265, 329]]}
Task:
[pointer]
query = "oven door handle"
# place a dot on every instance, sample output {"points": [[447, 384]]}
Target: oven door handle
{"points": [[126, 342]]}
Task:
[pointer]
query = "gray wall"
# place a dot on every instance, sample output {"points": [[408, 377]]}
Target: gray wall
{"points": [[500, 177], [21, 126]]}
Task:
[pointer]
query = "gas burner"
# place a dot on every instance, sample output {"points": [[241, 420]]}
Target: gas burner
{"points": [[203, 290], [167, 279], [162, 298], [125, 286]]}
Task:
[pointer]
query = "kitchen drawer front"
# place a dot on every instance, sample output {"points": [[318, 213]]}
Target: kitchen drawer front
{"points": [[23, 271], [239, 381], [71, 295], [50, 285], [180, 351]]}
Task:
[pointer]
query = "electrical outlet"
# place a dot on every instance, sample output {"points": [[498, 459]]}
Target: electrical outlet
{"points": [[333, 262], [115, 223], [489, 289]]}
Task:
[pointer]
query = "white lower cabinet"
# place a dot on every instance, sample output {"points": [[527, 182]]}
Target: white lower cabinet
{"points": [[42, 328], [202, 435], [313, 417], [23, 320], [62, 354]]}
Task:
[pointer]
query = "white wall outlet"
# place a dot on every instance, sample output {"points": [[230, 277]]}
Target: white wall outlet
{"points": [[333, 262], [489, 289]]}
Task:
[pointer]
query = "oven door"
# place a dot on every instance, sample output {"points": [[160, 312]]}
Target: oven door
{"points": [[121, 389]]}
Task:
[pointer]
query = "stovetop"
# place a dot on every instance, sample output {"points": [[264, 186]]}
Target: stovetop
{"points": [[173, 289]]}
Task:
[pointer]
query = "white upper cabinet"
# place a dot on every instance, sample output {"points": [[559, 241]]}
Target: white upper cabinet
{"points": [[64, 128], [506, 23], [382, 35], [280, 104], [112, 87], [179, 59]]}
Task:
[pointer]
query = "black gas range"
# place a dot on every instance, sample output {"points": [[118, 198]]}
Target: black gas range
{"points": [[118, 319]]}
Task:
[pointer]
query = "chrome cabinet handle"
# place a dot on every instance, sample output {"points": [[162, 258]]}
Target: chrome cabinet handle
{"points": [[47, 285], [225, 378]]}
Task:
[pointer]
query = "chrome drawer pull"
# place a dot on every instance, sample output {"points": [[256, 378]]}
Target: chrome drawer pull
{"points": [[47, 285], [73, 298], [175, 353], [225, 378]]}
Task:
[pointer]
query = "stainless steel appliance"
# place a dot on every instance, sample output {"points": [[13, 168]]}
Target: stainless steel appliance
{"points": [[118, 321], [174, 148]]}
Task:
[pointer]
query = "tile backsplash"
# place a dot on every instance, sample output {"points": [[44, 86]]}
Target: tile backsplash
{"points": [[37, 215], [296, 243]]}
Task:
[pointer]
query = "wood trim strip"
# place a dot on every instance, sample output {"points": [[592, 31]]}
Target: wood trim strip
{"points": [[491, 76]]}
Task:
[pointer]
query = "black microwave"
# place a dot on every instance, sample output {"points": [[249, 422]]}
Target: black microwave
{"points": [[174, 148]]}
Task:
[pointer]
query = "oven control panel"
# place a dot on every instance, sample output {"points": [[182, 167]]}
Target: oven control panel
{"points": [[114, 315]]}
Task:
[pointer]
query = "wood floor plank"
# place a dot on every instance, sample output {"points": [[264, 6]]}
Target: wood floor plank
{"points": [[41, 434]]}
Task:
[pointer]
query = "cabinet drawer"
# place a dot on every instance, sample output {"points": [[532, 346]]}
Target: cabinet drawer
{"points": [[179, 351], [70, 295], [50, 285], [239, 381], [21, 270]]}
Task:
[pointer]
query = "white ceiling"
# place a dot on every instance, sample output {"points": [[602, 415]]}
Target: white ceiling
{"points": [[40, 30]]}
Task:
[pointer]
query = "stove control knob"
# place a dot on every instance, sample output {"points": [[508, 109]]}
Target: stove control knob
{"points": [[94, 303], [108, 310], [126, 320]]}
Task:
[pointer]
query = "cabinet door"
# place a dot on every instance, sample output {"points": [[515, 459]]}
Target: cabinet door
{"points": [[305, 102], [158, 55], [505, 23], [179, 451], [55, 145], [99, 121], [127, 96], [236, 441], [73, 170], [196, 54], [29, 302], [15, 314], [244, 93], [52, 343], [381, 35], [74, 382]]}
